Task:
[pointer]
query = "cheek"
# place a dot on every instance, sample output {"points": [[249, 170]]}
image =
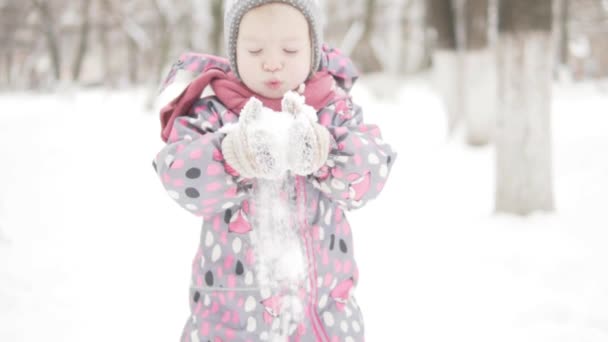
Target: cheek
{"points": [[300, 67], [246, 66]]}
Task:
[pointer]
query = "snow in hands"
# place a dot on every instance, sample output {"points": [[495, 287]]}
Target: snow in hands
{"points": [[279, 142], [267, 143]]}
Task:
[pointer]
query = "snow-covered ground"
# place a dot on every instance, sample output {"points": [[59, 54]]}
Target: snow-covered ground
{"points": [[92, 249]]}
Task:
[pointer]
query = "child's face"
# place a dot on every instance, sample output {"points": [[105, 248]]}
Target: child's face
{"points": [[273, 49]]}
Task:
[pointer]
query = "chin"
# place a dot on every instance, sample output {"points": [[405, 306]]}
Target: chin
{"points": [[272, 94]]}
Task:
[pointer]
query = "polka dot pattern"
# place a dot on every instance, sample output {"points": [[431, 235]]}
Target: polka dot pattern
{"points": [[193, 173], [224, 300]]}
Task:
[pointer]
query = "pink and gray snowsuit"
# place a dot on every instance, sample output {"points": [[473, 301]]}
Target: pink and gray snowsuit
{"points": [[224, 301]]}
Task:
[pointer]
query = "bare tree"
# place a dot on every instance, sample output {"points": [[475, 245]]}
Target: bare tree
{"points": [[84, 39], [416, 50], [588, 29], [164, 39], [524, 181], [440, 17], [49, 26], [478, 82], [562, 28], [132, 59], [216, 32], [441, 21], [202, 23], [364, 52]]}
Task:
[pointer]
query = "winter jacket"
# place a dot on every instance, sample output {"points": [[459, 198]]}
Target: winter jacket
{"points": [[224, 301]]}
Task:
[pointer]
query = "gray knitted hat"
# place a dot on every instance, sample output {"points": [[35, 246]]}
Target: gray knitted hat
{"points": [[234, 10]]}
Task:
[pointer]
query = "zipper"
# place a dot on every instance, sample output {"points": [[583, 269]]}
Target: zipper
{"points": [[315, 319]]}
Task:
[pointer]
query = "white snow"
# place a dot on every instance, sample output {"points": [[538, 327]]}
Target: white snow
{"points": [[93, 249]]}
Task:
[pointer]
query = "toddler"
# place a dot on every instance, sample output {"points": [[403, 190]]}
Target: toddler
{"points": [[270, 150]]}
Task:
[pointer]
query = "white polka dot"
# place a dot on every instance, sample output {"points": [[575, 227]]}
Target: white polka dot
{"points": [[349, 339], [383, 170], [344, 326], [194, 336], [251, 324], [338, 185], [206, 300], [206, 124], [248, 278], [216, 253], [328, 217], [275, 324], [202, 261], [364, 141], [250, 304], [342, 159], [208, 238], [227, 205], [325, 188], [328, 318], [264, 336], [348, 311], [321, 233], [188, 137], [373, 159], [236, 245], [319, 281], [323, 301], [191, 207], [173, 194], [169, 159], [356, 326]]}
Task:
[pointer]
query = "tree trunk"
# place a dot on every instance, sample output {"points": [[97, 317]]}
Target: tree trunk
{"points": [[202, 22], [441, 20], [216, 33], [415, 53], [479, 76], [164, 44], [104, 42], [564, 32], [132, 54], [440, 17], [83, 41], [524, 182], [476, 14], [49, 27], [364, 53]]}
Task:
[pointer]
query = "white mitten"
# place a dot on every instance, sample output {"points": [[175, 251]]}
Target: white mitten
{"points": [[308, 141], [252, 147]]}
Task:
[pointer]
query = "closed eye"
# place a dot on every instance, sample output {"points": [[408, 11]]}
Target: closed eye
{"points": [[290, 52], [255, 52]]}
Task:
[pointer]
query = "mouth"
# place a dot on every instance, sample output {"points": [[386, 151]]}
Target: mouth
{"points": [[273, 84]]}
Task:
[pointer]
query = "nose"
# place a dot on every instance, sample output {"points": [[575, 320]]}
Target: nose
{"points": [[272, 65]]}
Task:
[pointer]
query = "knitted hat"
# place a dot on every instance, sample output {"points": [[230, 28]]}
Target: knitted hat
{"points": [[234, 10]]}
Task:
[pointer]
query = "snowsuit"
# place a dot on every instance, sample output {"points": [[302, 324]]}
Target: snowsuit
{"points": [[224, 301]]}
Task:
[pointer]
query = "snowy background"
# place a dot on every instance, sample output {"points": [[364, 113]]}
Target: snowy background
{"points": [[92, 249]]}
